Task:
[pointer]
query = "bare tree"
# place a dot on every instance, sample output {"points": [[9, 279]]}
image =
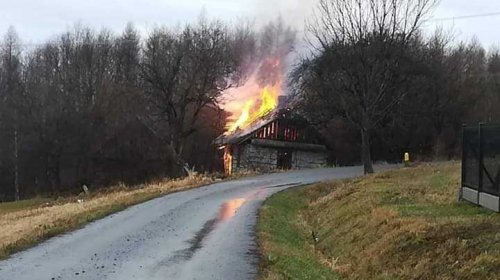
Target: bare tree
{"points": [[243, 50], [360, 66], [183, 73], [90, 107], [10, 97]]}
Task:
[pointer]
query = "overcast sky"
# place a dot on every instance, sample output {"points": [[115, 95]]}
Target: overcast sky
{"points": [[38, 20]]}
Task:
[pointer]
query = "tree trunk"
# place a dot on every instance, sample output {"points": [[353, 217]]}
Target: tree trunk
{"points": [[180, 147], [53, 172], [16, 167], [365, 151]]}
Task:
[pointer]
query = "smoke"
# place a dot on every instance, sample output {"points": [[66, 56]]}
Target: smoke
{"points": [[293, 12], [278, 30], [276, 43], [282, 22]]}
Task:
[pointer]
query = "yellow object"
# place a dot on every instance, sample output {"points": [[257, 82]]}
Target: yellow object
{"points": [[407, 157]]}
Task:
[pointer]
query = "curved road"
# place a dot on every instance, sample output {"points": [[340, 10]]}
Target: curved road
{"points": [[205, 233]]}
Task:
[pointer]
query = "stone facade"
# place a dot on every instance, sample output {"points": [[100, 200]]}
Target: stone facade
{"points": [[249, 156], [253, 157], [308, 159]]}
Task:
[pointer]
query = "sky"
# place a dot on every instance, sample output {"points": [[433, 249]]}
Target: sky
{"points": [[39, 20]]}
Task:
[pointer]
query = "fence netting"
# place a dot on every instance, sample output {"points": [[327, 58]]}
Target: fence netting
{"points": [[481, 158]]}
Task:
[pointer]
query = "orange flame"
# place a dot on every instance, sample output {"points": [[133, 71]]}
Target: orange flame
{"points": [[228, 161], [244, 117], [268, 100], [252, 100]]}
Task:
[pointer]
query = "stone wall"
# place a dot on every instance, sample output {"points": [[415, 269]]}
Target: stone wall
{"points": [[308, 159], [252, 157], [256, 157]]}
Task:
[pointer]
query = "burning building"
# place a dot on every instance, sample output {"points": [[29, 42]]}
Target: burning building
{"points": [[265, 132], [276, 139]]}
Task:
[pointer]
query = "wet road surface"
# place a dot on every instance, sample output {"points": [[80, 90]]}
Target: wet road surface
{"points": [[205, 233]]}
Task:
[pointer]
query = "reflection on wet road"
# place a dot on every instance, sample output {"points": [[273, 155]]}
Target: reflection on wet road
{"points": [[228, 209]]}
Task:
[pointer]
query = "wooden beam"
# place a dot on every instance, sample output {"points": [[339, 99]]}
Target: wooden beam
{"points": [[288, 145]]}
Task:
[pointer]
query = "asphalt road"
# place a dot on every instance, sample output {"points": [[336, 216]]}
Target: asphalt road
{"points": [[205, 233]]}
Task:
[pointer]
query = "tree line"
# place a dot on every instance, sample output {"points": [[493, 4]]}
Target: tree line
{"points": [[377, 87], [94, 108]]}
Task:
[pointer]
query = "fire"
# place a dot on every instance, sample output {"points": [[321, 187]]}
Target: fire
{"points": [[269, 99], [244, 118], [228, 161], [254, 100], [253, 109]]}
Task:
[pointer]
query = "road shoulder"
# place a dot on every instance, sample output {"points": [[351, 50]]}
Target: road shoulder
{"points": [[25, 225]]}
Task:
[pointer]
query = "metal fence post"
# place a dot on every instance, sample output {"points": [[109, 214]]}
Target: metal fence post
{"points": [[480, 165], [464, 153], [464, 163]]}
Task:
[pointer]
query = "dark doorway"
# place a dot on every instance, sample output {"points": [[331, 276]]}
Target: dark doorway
{"points": [[285, 159]]}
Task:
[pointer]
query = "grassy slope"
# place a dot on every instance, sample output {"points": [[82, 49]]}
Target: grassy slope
{"points": [[25, 223], [403, 224], [288, 254]]}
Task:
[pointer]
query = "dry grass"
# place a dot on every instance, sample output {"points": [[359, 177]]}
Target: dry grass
{"points": [[27, 222], [404, 224], [283, 239]]}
